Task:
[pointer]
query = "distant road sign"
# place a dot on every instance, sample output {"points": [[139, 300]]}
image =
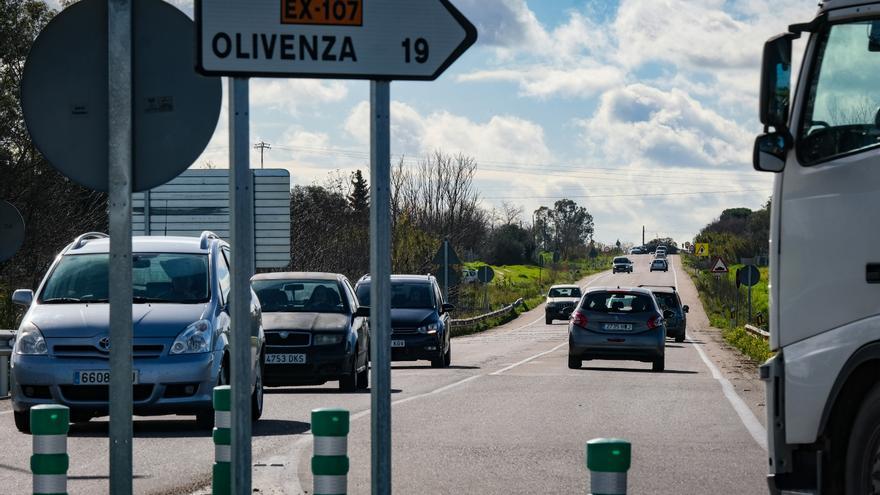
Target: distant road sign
{"points": [[748, 275], [701, 249], [485, 273], [450, 257], [65, 102], [198, 200], [11, 231], [719, 266], [355, 39]]}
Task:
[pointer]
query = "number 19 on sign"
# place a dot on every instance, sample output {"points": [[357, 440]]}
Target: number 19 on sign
{"points": [[419, 48]]}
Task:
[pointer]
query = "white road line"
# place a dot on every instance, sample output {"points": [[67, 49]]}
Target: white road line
{"points": [[524, 361], [755, 428], [5, 412]]}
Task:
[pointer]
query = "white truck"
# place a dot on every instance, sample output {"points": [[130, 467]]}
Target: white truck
{"points": [[823, 385]]}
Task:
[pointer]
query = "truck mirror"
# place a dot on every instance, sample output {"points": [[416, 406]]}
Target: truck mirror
{"points": [[769, 153], [776, 81], [874, 37]]}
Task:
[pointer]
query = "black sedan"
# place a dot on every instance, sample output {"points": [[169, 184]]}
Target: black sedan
{"points": [[315, 330]]}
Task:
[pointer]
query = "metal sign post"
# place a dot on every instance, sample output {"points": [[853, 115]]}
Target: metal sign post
{"points": [[445, 269], [380, 287], [242, 233], [119, 210]]}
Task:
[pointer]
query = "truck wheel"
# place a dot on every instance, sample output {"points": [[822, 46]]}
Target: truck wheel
{"points": [[22, 421], [862, 460]]}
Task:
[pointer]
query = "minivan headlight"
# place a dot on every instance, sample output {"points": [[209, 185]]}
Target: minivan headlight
{"points": [[429, 329], [327, 338], [194, 339], [30, 341]]}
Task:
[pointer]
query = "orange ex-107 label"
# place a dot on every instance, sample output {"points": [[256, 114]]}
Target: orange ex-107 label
{"points": [[323, 12]]}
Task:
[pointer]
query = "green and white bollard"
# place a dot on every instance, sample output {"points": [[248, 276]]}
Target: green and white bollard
{"points": [[330, 459], [608, 460], [49, 462], [222, 480]]}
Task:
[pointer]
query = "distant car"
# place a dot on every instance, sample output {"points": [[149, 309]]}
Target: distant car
{"points": [[469, 276], [660, 255], [625, 324], [659, 265], [180, 333], [561, 299], [621, 264], [668, 299], [419, 319], [315, 330], [636, 250]]}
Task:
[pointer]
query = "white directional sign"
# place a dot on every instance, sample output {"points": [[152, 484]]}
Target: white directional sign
{"points": [[353, 39]]}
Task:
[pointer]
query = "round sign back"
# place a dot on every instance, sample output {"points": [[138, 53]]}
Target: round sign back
{"points": [[11, 230], [486, 274], [64, 94]]}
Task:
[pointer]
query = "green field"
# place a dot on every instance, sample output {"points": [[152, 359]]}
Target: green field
{"points": [[720, 296]]}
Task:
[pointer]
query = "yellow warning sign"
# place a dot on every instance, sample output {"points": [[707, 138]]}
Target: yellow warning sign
{"points": [[701, 249]]}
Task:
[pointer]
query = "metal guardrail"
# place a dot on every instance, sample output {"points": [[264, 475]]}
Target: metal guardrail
{"points": [[466, 322], [6, 339], [758, 332]]}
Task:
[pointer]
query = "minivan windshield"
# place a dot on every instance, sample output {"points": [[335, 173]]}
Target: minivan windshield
{"points": [[841, 113], [299, 296], [156, 277], [404, 295]]}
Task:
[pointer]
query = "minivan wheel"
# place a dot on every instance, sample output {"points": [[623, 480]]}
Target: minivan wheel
{"points": [[22, 421], [574, 363], [863, 453]]}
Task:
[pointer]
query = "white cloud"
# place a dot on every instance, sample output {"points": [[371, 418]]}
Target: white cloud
{"points": [[292, 95], [545, 82], [645, 125], [501, 138]]}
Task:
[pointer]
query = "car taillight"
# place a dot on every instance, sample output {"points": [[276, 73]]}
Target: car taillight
{"points": [[655, 321], [579, 319]]}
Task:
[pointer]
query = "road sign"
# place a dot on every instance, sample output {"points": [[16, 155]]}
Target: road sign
{"points": [[748, 275], [352, 39], [198, 200], [701, 249], [64, 94], [443, 257], [485, 274], [11, 231], [718, 266]]}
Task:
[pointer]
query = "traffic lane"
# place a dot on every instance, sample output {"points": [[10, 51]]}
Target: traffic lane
{"points": [[475, 355]]}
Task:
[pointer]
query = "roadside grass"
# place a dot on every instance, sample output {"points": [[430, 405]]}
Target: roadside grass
{"points": [[719, 296]]}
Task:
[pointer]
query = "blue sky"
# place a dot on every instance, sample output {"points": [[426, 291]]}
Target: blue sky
{"points": [[644, 111]]}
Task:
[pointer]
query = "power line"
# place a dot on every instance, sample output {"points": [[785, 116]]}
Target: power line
{"points": [[640, 195]]}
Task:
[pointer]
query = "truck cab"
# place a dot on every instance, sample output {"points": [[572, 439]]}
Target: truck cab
{"points": [[822, 142]]}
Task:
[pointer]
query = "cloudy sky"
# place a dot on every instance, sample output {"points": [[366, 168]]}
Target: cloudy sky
{"points": [[644, 111]]}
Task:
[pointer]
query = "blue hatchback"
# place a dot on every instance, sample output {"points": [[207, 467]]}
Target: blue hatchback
{"points": [[180, 334]]}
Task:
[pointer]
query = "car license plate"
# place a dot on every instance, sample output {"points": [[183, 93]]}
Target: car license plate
{"points": [[618, 326], [398, 343], [98, 377], [285, 359]]}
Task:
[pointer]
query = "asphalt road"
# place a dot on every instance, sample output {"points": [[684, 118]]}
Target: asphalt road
{"points": [[507, 417]]}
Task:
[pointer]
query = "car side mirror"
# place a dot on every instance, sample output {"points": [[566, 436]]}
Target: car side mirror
{"points": [[770, 151], [685, 308], [362, 312], [23, 297], [668, 314], [446, 307]]}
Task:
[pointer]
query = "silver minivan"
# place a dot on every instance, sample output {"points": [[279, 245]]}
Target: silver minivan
{"points": [[181, 330]]}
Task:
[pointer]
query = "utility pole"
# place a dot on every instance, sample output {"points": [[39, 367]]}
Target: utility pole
{"points": [[643, 236], [262, 146]]}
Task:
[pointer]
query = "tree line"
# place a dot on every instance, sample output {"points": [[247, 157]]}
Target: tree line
{"points": [[738, 233]]}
